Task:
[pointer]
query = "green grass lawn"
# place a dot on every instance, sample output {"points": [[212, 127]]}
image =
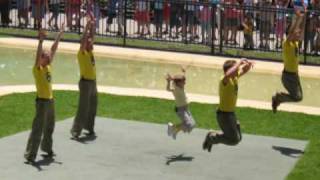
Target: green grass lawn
{"points": [[17, 111]]}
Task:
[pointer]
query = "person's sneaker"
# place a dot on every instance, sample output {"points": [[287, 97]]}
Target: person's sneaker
{"points": [[207, 145], [74, 136], [49, 154], [90, 133], [170, 129], [274, 104], [29, 161], [174, 135]]}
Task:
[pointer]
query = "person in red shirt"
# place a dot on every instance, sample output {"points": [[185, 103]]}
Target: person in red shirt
{"points": [[72, 8], [39, 8]]}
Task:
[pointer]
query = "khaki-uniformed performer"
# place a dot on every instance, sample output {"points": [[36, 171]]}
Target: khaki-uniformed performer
{"points": [[43, 123], [87, 108], [290, 77], [228, 93]]}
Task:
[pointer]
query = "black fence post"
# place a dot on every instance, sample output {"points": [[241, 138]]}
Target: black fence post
{"points": [[79, 19], [305, 43], [185, 25], [221, 27], [125, 23], [213, 10]]}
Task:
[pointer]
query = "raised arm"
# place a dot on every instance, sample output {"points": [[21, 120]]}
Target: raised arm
{"points": [[86, 34], [169, 79], [246, 67], [54, 47], [233, 71], [42, 35], [92, 26], [296, 26]]}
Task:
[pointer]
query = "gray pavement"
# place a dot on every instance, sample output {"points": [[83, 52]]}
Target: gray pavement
{"points": [[133, 150]]}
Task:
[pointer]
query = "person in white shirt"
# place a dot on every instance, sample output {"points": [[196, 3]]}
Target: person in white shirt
{"points": [[175, 84]]}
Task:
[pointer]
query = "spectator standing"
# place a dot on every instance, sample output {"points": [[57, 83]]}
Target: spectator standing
{"points": [[111, 13], [4, 11], [39, 8], [55, 5], [266, 22], [158, 17], [121, 17], [311, 26], [248, 7], [206, 22], [248, 32], [23, 11], [189, 24], [231, 15], [72, 9], [142, 17], [174, 18], [166, 15], [281, 7]]}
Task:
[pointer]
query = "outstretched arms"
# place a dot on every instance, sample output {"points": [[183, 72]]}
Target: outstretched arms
{"points": [[56, 42], [296, 26], [88, 32], [244, 66], [42, 35], [169, 79]]}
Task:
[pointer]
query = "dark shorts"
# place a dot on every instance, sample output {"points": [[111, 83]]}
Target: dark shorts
{"points": [[174, 19], [265, 27], [111, 15], [190, 18], [158, 17], [55, 10], [231, 22]]}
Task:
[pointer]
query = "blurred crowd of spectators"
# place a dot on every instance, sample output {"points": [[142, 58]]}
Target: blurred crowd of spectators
{"points": [[254, 22]]}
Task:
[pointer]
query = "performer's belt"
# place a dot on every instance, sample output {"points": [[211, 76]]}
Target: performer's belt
{"points": [[44, 99], [84, 79], [223, 112], [287, 72]]}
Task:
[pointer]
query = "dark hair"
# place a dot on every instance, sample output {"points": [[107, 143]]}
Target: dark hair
{"points": [[228, 64]]}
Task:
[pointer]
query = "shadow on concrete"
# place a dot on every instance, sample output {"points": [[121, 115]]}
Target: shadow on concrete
{"points": [[295, 153], [46, 161], [179, 157]]}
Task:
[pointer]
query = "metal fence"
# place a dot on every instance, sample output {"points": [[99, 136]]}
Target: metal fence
{"points": [[190, 26]]}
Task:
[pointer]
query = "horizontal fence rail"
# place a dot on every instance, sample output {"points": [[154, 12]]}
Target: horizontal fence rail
{"points": [[230, 29]]}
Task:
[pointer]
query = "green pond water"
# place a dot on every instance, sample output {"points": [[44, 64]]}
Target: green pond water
{"points": [[16, 68]]}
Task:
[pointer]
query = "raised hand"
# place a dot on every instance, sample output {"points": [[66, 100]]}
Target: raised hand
{"points": [[168, 77], [183, 69], [62, 27], [42, 34]]}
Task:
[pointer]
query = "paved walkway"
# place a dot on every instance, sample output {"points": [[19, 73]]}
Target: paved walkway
{"points": [[164, 95], [128, 150], [158, 56]]}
